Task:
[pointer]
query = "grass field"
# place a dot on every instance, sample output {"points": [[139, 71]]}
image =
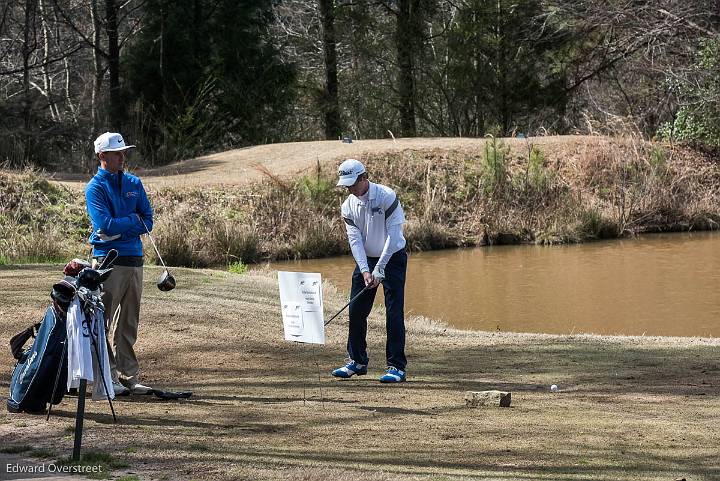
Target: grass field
{"points": [[629, 408]]}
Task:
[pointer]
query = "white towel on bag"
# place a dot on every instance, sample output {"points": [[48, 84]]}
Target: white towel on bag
{"points": [[81, 357]]}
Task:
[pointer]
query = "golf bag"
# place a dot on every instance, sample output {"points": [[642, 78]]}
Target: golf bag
{"points": [[41, 372], [34, 375]]}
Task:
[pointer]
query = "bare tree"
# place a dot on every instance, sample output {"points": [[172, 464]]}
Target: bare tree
{"points": [[331, 103], [117, 110], [29, 47]]}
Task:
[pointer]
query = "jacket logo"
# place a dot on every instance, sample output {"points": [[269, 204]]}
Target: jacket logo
{"points": [[132, 193]]}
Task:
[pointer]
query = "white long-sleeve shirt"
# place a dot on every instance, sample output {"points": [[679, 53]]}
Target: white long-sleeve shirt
{"points": [[374, 225]]}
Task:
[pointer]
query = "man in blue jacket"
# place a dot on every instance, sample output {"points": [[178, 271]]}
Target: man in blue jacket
{"points": [[120, 212]]}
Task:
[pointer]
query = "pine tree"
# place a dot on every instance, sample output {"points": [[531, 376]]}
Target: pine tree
{"points": [[205, 76]]}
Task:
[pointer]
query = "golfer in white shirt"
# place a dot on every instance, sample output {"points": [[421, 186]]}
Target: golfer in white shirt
{"points": [[373, 219]]}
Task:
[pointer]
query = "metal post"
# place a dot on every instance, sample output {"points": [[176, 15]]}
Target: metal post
{"points": [[79, 417]]}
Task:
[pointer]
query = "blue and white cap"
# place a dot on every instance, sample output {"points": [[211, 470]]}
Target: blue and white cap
{"points": [[349, 171], [110, 142]]}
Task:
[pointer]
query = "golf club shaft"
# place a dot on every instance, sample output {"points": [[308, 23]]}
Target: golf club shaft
{"points": [[102, 377], [349, 302], [153, 243]]}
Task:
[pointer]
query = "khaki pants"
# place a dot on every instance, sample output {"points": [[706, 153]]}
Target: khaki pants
{"points": [[122, 292]]}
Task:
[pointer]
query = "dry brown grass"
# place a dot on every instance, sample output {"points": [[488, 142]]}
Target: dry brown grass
{"points": [[577, 189], [39, 220], [582, 189], [630, 408]]}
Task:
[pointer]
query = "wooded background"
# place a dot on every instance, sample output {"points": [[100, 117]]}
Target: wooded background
{"points": [[185, 77]]}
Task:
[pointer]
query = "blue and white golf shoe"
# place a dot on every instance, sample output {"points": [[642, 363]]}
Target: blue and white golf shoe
{"points": [[350, 369], [393, 374]]}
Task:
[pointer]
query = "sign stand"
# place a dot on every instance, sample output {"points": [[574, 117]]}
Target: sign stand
{"points": [[302, 312]]}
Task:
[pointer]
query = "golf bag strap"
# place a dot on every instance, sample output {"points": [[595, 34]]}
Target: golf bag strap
{"points": [[17, 342]]}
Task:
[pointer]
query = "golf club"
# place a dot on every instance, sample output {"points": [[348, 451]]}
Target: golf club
{"points": [[349, 302], [109, 259], [167, 281]]}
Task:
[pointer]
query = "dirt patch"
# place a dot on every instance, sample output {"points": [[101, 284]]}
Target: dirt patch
{"points": [[628, 408]]}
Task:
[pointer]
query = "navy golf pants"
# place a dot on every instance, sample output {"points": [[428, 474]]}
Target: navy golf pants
{"points": [[394, 288]]}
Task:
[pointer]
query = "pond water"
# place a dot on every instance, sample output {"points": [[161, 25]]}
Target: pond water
{"points": [[660, 284]]}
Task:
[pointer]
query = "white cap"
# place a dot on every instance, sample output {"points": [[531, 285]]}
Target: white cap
{"points": [[110, 142], [349, 171]]}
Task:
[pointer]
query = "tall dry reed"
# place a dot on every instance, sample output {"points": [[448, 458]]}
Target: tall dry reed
{"points": [[567, 191]]}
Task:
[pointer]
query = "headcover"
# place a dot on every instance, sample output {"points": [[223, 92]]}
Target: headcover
{"points": [[91, 278], [166, 281], [63, 292], [74, 267]]}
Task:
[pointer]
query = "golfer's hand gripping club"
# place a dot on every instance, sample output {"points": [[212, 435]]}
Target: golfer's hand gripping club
{"points": [[349, 302], [378, 275]]}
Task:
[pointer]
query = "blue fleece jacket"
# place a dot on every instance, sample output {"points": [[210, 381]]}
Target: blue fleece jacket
{"points": [[116, 203]]}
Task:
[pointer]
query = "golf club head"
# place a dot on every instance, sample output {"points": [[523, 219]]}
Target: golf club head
{"points": [[109, 260], [92, 278], [166, 281]]}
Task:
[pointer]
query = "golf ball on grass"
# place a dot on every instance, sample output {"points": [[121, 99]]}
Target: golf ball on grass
{"points": [[554, 388]]}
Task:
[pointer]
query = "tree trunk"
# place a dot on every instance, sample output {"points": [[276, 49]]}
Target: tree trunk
{"points": [[53, 109], [357, 106], [331, 105], [27, 49], [67, 74], [478, 123], [501, 61], [117, 110], [405, 37], [98, 77]]}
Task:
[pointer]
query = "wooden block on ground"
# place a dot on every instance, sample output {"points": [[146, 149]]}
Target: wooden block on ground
{"points": [[487, 398]]}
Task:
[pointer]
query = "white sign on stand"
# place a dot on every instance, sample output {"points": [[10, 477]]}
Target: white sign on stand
{"points": [[302, 306]]}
